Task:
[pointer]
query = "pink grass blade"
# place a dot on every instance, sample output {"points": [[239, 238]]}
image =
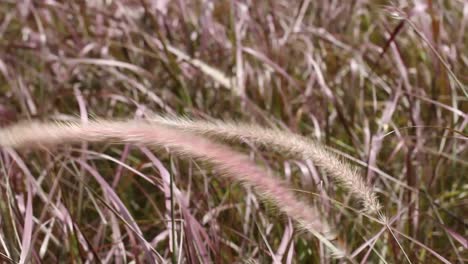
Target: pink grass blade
{"points": [[28, 228], [122, 209]]}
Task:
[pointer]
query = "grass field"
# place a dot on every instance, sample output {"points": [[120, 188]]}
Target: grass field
{"points": [[202, 131]]}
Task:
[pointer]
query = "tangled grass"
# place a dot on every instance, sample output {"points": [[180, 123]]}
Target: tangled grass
{"points": [[229, 163], [350, 125], [166, 133]]}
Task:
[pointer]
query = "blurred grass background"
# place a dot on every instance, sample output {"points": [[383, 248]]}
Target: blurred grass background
{"points": [[381, 82]]}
